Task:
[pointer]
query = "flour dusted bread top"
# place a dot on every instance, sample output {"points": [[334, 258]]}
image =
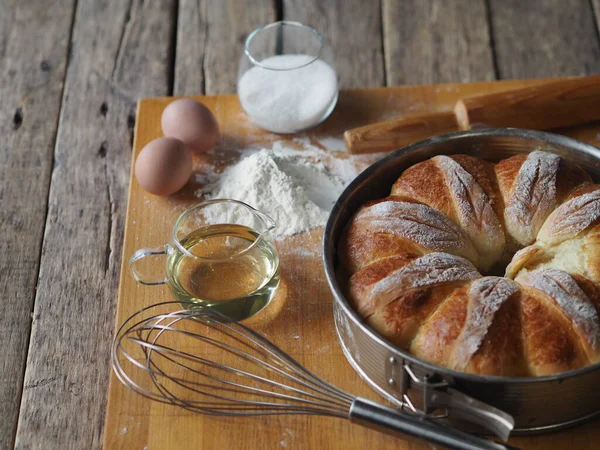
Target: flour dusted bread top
{"points": [[449, 185], [396, 226], [415, 261]]}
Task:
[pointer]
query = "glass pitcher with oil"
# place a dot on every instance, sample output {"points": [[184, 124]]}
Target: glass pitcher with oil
{"points": [[221, 256]]}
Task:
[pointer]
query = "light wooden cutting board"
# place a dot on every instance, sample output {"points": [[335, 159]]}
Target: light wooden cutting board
{"points": [[299, 320]]}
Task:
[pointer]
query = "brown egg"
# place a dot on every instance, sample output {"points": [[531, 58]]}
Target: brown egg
{"points": [[190, 122], [163, 166]]}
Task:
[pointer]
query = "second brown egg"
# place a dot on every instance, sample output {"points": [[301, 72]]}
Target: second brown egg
{"points": [[192, 123]]}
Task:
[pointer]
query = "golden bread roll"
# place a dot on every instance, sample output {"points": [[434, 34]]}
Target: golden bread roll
{"points": [[394, 226], [532, 186], [459, 333], [568, 240], [449, 184], [413, 262], [561, 330]]}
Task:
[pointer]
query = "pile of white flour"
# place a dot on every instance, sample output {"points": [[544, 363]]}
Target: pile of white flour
{"points": [[292, 188]]}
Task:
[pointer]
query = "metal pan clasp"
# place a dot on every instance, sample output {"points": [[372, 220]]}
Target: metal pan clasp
{"points": [[439, 400]]}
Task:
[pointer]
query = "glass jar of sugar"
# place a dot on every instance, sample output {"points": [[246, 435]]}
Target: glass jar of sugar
{"points": [[286, 81]]}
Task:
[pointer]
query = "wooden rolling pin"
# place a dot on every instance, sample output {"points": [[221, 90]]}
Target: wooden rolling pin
{"points": [[554, 104]]}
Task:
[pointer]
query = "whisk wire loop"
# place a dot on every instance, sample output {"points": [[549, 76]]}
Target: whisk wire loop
{"points": [[304, 380], [263, 379], [187, 384], [238, 352], [199, 360]]}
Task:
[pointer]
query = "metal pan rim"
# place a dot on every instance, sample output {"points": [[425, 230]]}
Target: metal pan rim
{"points": [[329, 245]]}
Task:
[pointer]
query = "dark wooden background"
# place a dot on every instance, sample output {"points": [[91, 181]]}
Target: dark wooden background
{"points": [[70, 75]]}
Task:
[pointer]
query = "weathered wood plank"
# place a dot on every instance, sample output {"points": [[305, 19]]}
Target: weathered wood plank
{"points": [[596, 10], [210, 41], [549, 38], [190, 48], [352, 29], [120, 51], [435, 41], [34, 39]]}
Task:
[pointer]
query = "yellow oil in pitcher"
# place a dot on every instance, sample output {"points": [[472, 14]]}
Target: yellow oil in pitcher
{"points": [[226, 267]]}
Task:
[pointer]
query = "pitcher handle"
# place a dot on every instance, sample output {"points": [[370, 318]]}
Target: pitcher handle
{"points": [[143, 253]]}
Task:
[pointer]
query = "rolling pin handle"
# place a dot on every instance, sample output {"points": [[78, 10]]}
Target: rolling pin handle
{"points": [[462, 115]]}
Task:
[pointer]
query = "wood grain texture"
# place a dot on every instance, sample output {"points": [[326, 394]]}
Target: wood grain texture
{"points": [[34, 41], [596, 9], [210, 41], [299, 320], [352, 29], [396, 133], [190, 48], [559, 103], [552, 104], [120, 51], [544, 38], [436, 41]]}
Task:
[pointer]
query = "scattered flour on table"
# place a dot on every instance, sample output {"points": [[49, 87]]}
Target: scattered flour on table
{"points": [[332, 143], [206, 175], [345, 168], [296, 188], [295, 192]]}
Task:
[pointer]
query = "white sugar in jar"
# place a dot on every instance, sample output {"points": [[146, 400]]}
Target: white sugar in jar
{"points": [[286, 80]]}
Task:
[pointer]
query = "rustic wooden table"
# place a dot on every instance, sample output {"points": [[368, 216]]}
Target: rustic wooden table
{"points": [[70, 75]]}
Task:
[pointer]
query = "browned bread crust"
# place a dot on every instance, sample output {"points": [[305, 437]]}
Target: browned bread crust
{"points": [[413, 259], [465, 190]]}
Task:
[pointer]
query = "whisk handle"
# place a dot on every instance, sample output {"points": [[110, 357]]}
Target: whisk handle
{"points": [[373, 415]]}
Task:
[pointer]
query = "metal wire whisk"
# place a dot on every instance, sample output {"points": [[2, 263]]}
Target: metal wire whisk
{"points": [[197, 359]]}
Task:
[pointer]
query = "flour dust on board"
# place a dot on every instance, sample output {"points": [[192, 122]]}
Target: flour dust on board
{"points": [[295, 191]]}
